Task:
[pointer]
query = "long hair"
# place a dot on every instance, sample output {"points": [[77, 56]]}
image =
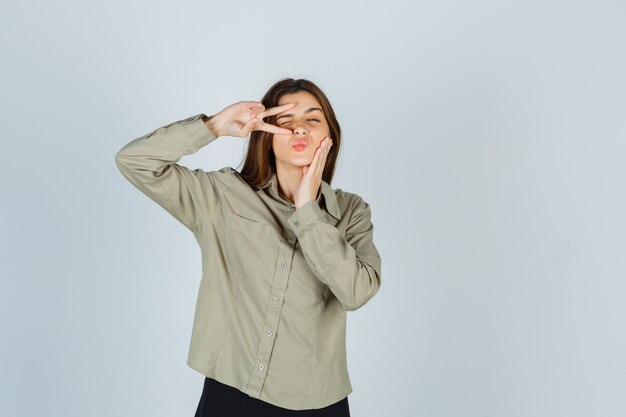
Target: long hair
{"points": [[260, 162]]}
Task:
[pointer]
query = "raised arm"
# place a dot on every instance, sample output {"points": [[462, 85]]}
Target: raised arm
{"points": [[150, 164], [150, 161]]}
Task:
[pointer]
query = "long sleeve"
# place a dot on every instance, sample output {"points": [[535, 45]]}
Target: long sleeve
{"points": [[150, 164], [350, 266]]}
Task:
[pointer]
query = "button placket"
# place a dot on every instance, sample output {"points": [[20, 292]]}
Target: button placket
{"points": [[272, 319]]}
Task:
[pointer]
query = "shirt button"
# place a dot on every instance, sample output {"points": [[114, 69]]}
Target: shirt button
{"points": [[290, 238], [261, 367], [283, 265], [297, 223], [292, 208], [275, 300], [269, 333]]}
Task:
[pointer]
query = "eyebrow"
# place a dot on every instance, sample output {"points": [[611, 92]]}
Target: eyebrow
{"points": [[305, 112]]}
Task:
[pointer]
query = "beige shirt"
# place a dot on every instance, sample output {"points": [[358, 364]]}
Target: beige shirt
{"points": [[270, 317]]}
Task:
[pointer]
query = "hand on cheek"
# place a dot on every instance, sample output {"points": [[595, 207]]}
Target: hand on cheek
{"points": [[312, 174]]}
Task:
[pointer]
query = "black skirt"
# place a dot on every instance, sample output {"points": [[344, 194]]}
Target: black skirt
{"points": [[221, 400]]}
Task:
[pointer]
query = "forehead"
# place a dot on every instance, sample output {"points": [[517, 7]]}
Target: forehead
{"points": [[301, 98]]}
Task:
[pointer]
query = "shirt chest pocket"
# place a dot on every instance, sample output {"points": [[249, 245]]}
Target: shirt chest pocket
{"points": [[246, 243]]}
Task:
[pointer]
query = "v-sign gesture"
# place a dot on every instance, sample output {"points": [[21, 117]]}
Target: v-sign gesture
{"points": [[241, 118]]}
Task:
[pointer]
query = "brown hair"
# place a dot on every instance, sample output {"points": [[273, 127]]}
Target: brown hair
{"points": [[259, 163]]}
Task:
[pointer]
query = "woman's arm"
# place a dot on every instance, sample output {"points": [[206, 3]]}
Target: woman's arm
{"points": [[150, 164], [350, 266], [150, 161]]}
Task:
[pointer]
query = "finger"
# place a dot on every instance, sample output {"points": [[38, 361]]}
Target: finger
{"points": [[252, 104], [254, 107], [275, 110], [247, 127], [315, 161], [325, 149], [267, 127], [321, 158], [255, 112]]}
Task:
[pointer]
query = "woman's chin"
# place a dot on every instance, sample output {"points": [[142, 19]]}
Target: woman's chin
{"points": [[300, 162], [297, 162]]}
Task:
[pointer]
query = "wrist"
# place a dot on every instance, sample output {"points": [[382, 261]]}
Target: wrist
{"points": [[211, 123]]}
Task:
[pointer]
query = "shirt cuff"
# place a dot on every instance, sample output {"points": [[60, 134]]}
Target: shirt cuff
{"points": [[307, 214], [197, 130]]}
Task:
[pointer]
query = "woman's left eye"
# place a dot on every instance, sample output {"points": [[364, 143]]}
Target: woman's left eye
{"points": [[315, 120]]}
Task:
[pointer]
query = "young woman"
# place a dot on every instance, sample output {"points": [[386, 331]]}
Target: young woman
{"points": [[284, 255]]}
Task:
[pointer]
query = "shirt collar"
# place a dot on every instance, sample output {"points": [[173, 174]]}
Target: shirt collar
{"points": [[330, 197]]}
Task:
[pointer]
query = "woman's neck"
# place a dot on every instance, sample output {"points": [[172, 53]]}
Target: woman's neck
{"points": [[288, 181]]}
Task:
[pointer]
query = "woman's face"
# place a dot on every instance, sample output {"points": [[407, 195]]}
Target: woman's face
{"points": [[308, 125]]}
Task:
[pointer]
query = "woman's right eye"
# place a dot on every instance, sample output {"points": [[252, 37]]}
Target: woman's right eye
{"points": [[307, 119]]}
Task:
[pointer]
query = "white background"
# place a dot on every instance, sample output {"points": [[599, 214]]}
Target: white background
{"points": [[487, 136]]}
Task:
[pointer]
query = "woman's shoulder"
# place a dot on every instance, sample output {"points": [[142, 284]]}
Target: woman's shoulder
{"points": [[350, 201]]}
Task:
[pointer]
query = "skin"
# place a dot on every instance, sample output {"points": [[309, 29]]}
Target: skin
{"points": [[299, 173]]}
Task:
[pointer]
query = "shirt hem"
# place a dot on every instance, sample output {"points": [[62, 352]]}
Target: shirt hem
{"points": [[295, 407]]}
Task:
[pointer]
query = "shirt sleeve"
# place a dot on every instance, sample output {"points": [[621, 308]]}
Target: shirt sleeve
{"points": [[150, 164], [349, 265]]}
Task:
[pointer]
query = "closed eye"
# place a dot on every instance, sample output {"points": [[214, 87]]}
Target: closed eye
{"points": [[316, 120]]}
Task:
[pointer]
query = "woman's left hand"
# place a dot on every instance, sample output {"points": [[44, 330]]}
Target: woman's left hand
{"points": [[312, 174]]}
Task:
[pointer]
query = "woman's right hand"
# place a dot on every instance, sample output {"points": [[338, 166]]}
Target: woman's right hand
{"points": [[241, 118]]}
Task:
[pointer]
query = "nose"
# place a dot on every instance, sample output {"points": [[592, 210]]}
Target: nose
{"points": [[299, 130]]}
